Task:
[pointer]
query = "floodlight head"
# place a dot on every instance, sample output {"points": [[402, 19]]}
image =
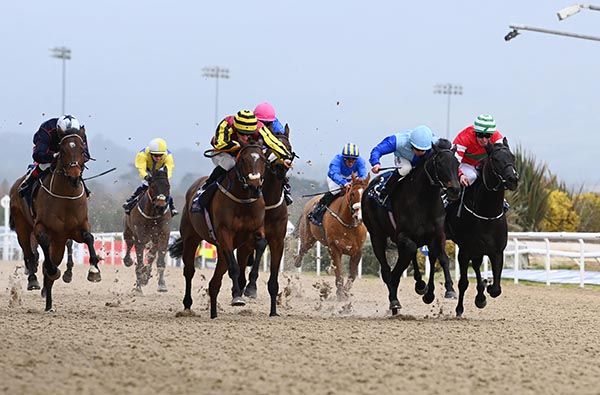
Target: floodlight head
{"points": [[569, 11], [512, 34]]}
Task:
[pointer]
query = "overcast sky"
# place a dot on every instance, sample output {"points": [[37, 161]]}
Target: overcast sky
{"points": [[137, 66]]}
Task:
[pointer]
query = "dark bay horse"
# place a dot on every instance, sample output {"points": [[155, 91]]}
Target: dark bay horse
{"points": [[416, 219], [478, 225], [236, 213], [276, 218], [149, 223], [343, 232], [61, 213]]}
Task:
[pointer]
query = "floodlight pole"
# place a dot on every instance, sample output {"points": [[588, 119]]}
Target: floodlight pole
{"points": [[216, 72], [515, 32], [63, 53], [448, 90]]}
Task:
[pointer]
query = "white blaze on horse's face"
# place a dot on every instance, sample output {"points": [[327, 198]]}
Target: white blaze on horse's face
{"points": [[254, 176], [72, 145], [357, 207]]}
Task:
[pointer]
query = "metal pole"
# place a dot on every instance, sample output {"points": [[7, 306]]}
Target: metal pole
{"points": [[547, 261], [217, 97], [516, 28], [581, 263], [516, 270], [64, 84], [448, 119]]}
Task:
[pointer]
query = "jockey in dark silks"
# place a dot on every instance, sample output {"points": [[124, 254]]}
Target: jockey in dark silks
{"points": [[46, 147]]}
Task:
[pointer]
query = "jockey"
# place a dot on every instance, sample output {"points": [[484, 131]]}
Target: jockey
{"points": [[341, 169], [408, 147], [46, 147], [470, 146], [154, 156], [231, 133], [266, 114]]}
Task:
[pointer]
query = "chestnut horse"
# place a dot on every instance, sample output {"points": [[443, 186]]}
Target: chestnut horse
{"points": [[343, 232], [61, 213], [276, 218], [149, 222], [236, 216]]}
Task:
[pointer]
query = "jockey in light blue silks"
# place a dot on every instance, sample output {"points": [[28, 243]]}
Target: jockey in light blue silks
{"points": [[339, 176], [408, 147]]}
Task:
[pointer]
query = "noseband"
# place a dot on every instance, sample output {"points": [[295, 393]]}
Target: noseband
{"points": [[243, 179]]}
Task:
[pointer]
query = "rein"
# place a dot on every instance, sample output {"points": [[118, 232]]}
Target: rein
{"points": [[49, 191], [234, 198], [276, 204]]}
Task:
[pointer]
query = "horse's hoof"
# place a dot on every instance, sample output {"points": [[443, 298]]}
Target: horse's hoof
{"points": [[162, 288], [450, 295], [43, 292], [428, 298], [480, 302], [250, 292], [138, 290], [67, 276], [33, 283], [459, 314], [421, 287], [94, 275], [238, 301], [127, 261], [394, 311], [494, 291], [50, 311], [394, 304], [273, 315]]}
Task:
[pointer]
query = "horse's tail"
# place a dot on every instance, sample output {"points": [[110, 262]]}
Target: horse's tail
{"points": [[176, 248]]}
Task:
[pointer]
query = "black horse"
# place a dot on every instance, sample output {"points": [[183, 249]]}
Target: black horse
{"points": [[416, 219], [478, 224]]}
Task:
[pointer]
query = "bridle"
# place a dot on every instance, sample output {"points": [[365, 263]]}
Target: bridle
{"points": [[243, 179], [348, 202], [434, 180], [65, 166], [497, 173]]}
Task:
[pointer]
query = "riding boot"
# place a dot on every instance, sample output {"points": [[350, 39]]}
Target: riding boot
{"points": [[26, 187], [215, 176], [287, 192], [130, 203], [316, 216], [174, 211]]}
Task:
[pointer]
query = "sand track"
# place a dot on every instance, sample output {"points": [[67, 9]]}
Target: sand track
{"points": [[105, 339]]}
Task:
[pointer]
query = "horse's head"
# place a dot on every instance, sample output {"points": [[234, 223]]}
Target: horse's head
{"points": [[354, 195], [71, 155], [250, 166], [441, 168], [277, 167], [501, 165], [159, 188]]}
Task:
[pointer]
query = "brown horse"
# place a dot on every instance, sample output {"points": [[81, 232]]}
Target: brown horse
{"points": [[342, 232], [276, 218], [60, 214], [236, 213], [149, 222]]}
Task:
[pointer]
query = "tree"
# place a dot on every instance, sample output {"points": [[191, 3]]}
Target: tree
{"points": [[561, 215], [587, 206]]}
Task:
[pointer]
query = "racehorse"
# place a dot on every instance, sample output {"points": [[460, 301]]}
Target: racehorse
{"points": [[276, 218], [235, 216], [149, 222], [478, 225], [61, 213], [416, 219], [343, 232]]}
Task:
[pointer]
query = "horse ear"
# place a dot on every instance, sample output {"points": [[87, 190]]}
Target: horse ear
{"points": [[286, 130], [505, 142]]}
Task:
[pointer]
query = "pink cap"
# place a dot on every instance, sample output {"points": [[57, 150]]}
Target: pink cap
{"points": [[265, 112]]}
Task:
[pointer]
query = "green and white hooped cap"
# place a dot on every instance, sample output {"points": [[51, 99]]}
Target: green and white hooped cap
{"points": [[485, 124]]}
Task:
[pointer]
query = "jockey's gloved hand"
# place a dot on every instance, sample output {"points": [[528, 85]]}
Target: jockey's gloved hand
{"points": [[147, 177]]}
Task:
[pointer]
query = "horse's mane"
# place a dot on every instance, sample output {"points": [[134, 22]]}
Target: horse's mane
{"points": [[443, 144]]}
